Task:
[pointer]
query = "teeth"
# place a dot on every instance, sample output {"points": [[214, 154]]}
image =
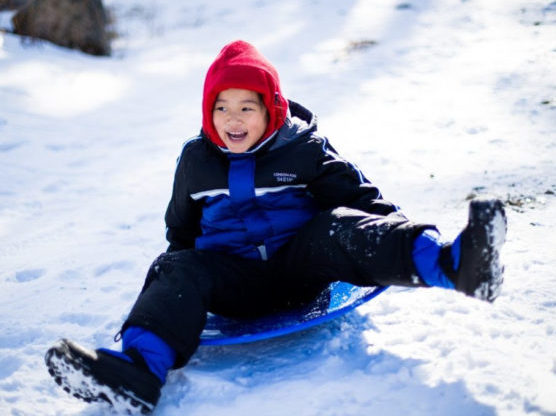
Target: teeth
{"points": [[237, 135]]}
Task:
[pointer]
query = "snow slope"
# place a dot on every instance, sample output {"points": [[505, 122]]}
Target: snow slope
{"points": [[435, 100]]}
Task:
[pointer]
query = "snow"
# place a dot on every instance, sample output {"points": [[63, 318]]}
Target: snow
{"points": [[436, 100]]}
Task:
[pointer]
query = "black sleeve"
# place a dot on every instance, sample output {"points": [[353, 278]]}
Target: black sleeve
{"points": [[340, 183], [183, 214]]}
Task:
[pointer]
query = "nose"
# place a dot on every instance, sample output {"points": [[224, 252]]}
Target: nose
{"points": [[234, 117]]}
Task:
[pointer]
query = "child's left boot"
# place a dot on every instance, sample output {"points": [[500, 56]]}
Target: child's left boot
{"points": [[472, 261], [127, 385]]}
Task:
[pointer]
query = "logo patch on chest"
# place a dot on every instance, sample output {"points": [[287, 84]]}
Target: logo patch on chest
{"points": [[284, 177]]}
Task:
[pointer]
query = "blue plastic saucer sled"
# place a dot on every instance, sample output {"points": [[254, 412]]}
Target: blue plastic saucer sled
{"points": [[338, 299]]}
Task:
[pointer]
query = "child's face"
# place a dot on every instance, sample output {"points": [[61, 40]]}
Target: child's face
{"points": [[240, 118]]}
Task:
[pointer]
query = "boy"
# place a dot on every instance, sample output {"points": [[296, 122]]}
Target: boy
{"points": [[263, 216]]}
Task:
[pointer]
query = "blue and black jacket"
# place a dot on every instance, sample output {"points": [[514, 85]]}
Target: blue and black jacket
{"points": [[250, 204]]}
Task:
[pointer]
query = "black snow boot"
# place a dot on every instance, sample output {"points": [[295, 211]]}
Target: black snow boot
{"points": [[480, 273], [98, 376]]}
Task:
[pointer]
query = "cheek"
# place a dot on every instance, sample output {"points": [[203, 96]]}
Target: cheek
{"points": [[217, 121], [262, 122]]}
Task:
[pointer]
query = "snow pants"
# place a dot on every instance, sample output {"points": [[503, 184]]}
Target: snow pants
{"points": [[340, 244]]}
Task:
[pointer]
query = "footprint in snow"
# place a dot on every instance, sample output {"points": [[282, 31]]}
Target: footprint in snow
{"points": [[29, 275], [119, 265], [81, 319], [8, 366], [6, 147]]}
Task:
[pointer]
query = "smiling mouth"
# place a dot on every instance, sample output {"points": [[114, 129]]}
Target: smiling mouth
{"points": [[236, 136]]}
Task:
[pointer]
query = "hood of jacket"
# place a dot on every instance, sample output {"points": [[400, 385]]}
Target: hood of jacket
{"points": [[299, 122]]}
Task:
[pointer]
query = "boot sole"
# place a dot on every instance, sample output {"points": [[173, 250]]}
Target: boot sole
{"points": [[70, 371]]}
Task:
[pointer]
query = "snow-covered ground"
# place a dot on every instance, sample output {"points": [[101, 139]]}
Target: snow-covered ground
{"points": [[435, 100]]}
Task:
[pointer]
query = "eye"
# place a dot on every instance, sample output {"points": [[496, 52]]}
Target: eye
{"points": [[220, 109], [247, 109]]}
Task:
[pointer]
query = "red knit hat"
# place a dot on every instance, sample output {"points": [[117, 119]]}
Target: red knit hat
{"points": [[240, 65]]}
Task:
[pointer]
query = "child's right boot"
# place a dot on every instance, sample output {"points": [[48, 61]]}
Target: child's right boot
{"points": [[472, 261], [127, 385]]}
